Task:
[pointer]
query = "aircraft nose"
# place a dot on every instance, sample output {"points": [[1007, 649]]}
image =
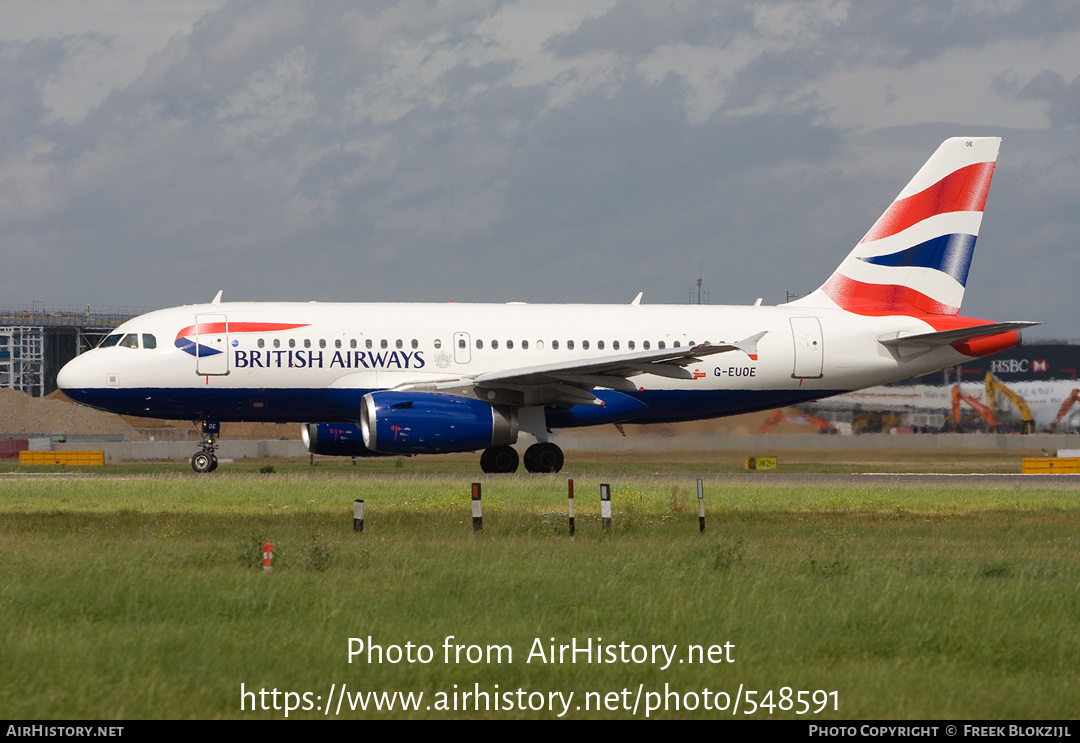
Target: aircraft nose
{"points": [[73, 375]]}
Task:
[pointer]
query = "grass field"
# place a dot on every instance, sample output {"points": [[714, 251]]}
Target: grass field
{"points": [[142, 596]]}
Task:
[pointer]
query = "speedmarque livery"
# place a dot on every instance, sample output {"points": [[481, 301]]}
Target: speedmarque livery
{"points": [[373, 379]]}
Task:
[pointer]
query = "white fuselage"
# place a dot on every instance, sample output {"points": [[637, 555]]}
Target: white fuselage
{"points": [[274, 361]]}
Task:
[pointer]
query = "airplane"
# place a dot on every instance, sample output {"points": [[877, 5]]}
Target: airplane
{"points": [[401, 379]]}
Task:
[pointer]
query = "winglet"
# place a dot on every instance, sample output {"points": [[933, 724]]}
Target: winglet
{"points": [[637, 300], [749, 345], [217, 297]]}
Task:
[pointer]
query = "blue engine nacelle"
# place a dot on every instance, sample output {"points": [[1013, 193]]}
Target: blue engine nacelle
{"points": [[432, 423], [336, 440]]}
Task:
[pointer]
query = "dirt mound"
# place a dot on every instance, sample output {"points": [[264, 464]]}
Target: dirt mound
{"points": [[21, 413]]}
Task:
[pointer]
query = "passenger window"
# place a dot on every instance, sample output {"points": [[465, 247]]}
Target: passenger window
{"points": [[367, 343], [110, 340], [630, 345], [494, 344], [461, 343], [615, 345], [585, 345], [260, 343], [149, 341], [479, 343], [277, 343], [524, 344], [415, 343], [322, 343], [600, 345], [645, 345], [383, 343], [569, 345], [661, 345], [438, 343], [398, 343], [292, 343], [509, 344], [352, 343], [307, 343], [555, 345], [131, 340], [677, 344], [337, 343]]}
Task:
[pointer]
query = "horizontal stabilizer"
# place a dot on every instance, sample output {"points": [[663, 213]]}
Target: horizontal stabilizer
{"points": [[926, 341]]}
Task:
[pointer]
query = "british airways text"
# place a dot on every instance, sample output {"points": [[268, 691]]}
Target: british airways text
{"points": [[323, 359]]}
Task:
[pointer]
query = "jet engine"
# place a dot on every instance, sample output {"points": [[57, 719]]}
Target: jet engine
{"points": [[336, 440], [432, 423]]}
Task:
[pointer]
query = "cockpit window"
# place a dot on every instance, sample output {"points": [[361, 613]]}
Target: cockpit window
{"points": [[111, 340], [149, 341], [131, 340]]}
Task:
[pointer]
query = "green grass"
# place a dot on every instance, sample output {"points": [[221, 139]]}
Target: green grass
{"points": [[143, 596]]}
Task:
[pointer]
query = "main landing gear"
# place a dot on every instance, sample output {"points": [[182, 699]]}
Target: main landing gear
{"points": [[205, 460], [543, 457]]}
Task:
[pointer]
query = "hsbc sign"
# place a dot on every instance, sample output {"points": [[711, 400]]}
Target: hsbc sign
{"points": [[1018, 366]]}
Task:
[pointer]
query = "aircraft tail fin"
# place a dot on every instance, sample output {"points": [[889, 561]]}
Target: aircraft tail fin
{"points": [[915, 259]]}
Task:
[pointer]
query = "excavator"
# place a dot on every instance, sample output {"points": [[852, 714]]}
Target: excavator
{"points": [[1066, 406], [989, 411], [994, 386], [975, 404]]}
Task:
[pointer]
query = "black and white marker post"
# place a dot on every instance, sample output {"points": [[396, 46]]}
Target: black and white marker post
{"points": [[477, 515], [700, 507], [358, 515], [605, 506], [570, 487]]}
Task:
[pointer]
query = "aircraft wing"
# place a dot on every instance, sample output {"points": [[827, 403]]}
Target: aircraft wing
{"points": [[570, 382]]}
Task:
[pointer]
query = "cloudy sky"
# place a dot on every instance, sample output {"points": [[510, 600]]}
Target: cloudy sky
{"points": [[414, 150]]}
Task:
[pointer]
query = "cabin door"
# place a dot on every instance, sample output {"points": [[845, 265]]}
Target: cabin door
{"points": [[809, 356], [211, 345]]}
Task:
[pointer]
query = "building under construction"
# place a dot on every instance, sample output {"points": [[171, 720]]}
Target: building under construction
{"points": [[38, 339]]}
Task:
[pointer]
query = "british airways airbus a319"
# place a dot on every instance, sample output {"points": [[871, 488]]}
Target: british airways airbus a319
{"points": [[400, 379]]}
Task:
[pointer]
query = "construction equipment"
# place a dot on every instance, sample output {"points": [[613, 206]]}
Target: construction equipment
{"points": [[780, 416], [993, 386], [1071, 400], [981, 410]]}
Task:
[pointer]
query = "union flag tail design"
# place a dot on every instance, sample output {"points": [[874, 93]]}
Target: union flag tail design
{"points": [[915, 259]]}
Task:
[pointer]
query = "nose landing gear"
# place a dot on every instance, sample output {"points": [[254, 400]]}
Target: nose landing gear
{"points": [[205, 460]]}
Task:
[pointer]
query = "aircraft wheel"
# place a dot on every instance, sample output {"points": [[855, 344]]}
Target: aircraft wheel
{"points": [[499, 459], [546, 457], [202, 461]]}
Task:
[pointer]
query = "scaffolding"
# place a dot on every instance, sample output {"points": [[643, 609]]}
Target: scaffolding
{"points": [[22, 359], [37, 340]]}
